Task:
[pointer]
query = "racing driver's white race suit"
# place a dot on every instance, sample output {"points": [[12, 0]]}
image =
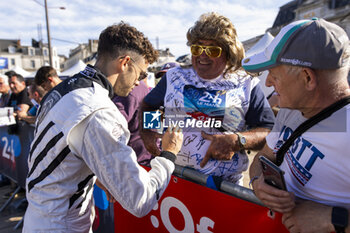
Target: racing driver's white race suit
{"points": [[80, 135]]}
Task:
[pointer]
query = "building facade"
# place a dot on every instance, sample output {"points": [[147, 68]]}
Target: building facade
{"points": [[84, 52], [335, 11], [30, 58]]}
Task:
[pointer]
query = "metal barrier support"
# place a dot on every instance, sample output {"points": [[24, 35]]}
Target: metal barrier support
{"points": [[226, 187], [18, 224], [4, 206]]}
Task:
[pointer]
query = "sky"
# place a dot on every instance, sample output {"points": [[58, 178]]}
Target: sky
{"points": [[167, 20]]}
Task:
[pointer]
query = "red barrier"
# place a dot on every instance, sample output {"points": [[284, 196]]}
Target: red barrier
{"points": [[188, 207]]}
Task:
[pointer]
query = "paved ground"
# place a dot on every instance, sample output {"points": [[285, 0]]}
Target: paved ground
{"points": [[10, 216]]}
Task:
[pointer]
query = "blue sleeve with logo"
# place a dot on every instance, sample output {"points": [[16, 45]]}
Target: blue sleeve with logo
{"points": [[32, 111], [156, 97], [259, 113]]}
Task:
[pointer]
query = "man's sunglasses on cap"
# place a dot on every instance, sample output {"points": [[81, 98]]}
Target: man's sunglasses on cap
{"points": [[211, 51]]}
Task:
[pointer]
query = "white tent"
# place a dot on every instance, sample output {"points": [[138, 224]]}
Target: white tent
{"points": [[260, 45], [32, 75], [21, 71], [76, 68], [257, 48]]}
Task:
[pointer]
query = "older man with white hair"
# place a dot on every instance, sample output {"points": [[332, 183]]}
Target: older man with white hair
{"points": [[4, 90], [308, 63]]}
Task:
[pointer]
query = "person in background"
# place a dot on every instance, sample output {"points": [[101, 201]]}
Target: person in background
{"points": [[19, 98], [20, 102], [36, 93], [216, 90], [165, 68], [308, 64], [159, 74], [10, 73], [81, 136], [47, 78], [129, 108], [4, 90], [4, 98]]}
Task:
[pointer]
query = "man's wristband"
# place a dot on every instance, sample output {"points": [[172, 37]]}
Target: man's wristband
{"points": [[252, 180], [340, 218], [168, 155]]}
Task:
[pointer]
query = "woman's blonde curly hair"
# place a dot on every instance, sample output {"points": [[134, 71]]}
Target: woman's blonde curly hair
{"points": [[213, 26]]}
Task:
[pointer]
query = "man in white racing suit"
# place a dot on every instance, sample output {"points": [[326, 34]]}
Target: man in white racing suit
{"points": [[80, 136]]}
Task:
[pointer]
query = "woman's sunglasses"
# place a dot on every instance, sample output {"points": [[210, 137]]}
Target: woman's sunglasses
{"points": [[211, 51]]}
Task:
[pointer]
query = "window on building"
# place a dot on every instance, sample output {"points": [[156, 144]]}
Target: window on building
{"points": [[32, 63], [13, 61], [31, 52], [45, 52], [338, 3], [12, 49], [286, 13]]}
